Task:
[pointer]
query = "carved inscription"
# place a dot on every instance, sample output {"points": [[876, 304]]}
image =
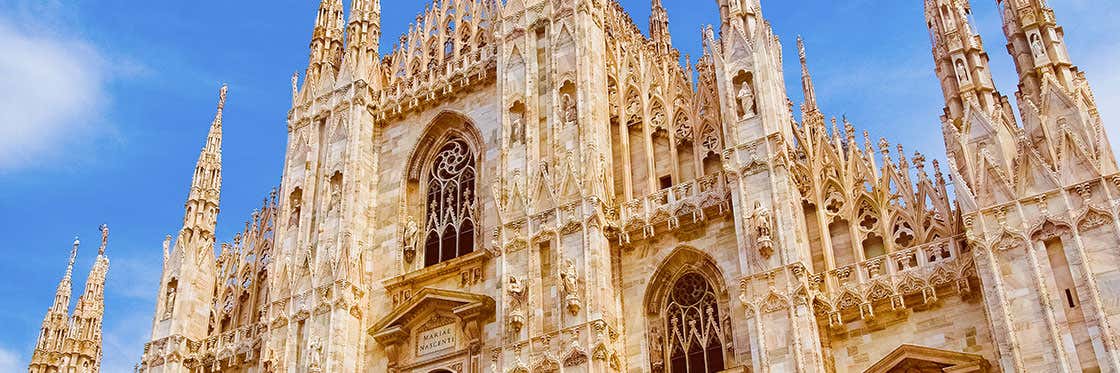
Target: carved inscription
{"points": [[436, 340]]}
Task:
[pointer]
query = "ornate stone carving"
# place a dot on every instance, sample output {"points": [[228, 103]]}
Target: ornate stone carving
{"points": [[763, 230], [517, 293], [411, 239], [569, 278], [745, 99]]}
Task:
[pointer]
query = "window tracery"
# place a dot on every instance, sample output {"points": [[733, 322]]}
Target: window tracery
{"points": [[694, 338], [450, 223]]}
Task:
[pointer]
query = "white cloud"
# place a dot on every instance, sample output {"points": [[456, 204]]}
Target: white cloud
{"points": [[10, 361], [52, 92]]}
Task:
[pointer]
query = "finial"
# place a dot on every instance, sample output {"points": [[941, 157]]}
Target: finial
{"points": [[104, 239], [73, 256], [801, 48], [806, 79], [222, 96], [221, 105]]}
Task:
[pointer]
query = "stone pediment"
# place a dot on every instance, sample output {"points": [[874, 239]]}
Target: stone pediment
{"points": [[921, 358], [467, 306]]}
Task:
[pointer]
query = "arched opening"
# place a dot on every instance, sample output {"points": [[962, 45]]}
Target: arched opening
{"points": [[873, 247], [692, 325], [687, 315], [440, 187], [450, 215]]}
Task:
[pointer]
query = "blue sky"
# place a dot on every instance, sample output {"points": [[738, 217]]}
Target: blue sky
{"points": [[105, 104]]}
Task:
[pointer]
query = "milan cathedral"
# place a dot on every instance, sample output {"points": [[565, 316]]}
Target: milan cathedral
{"points": [[536, 186]]}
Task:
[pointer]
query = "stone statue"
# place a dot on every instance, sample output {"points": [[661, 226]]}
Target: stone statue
{"points": [[293, 216], [764, 225], [516, 291], [746, 99], [517, 127], [315, 355], [411, 235], [568, 106], [336, 197], [515, 288], [962, 73], [569, 279], [1036, 45], [170, 306], [656, 349]]}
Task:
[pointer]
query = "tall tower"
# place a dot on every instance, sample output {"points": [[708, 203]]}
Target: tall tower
{"points": [[1060, 114], [326, 43], [363, 36], [659, 27], [1031, 197], [73, 342], [757, 116], [979, 129], [85, 326], [187, 284], [330, 157], [54, 331]]}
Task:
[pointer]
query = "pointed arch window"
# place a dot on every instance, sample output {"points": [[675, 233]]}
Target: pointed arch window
{"points": [[450, 209], [694, 337]]}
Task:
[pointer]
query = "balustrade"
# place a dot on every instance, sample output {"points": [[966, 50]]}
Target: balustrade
{"points": [[918, 262], [669, 204]]}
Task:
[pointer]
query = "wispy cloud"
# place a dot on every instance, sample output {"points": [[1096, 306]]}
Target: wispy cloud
{"points": [[54, 90], [124, 337], [10, 361]]}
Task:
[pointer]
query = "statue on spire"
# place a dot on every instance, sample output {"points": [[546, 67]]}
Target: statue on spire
{"points": [[104, 239]]}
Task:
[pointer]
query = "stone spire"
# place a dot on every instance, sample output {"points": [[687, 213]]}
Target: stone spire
{"points": [[326, 41], [53, 332], [206, 184], [806, 79], [659, 27], [86, 324], [1055, 100], [189, 267], [978, 125], [73, 342], [1037, 45], [961, 61], [62, 295], [363, 34]]}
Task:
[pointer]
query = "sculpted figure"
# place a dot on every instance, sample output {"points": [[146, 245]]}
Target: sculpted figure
{"points": [[746, 100], [568, 107], [962, 73], [170, 302], [411, 233], [517, 124], [763, 223], [568, 277], [516, 291], [316, 354], [1036, 45]]}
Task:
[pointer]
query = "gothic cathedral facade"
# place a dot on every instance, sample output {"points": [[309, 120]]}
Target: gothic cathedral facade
{"points": [[536, 186]]}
